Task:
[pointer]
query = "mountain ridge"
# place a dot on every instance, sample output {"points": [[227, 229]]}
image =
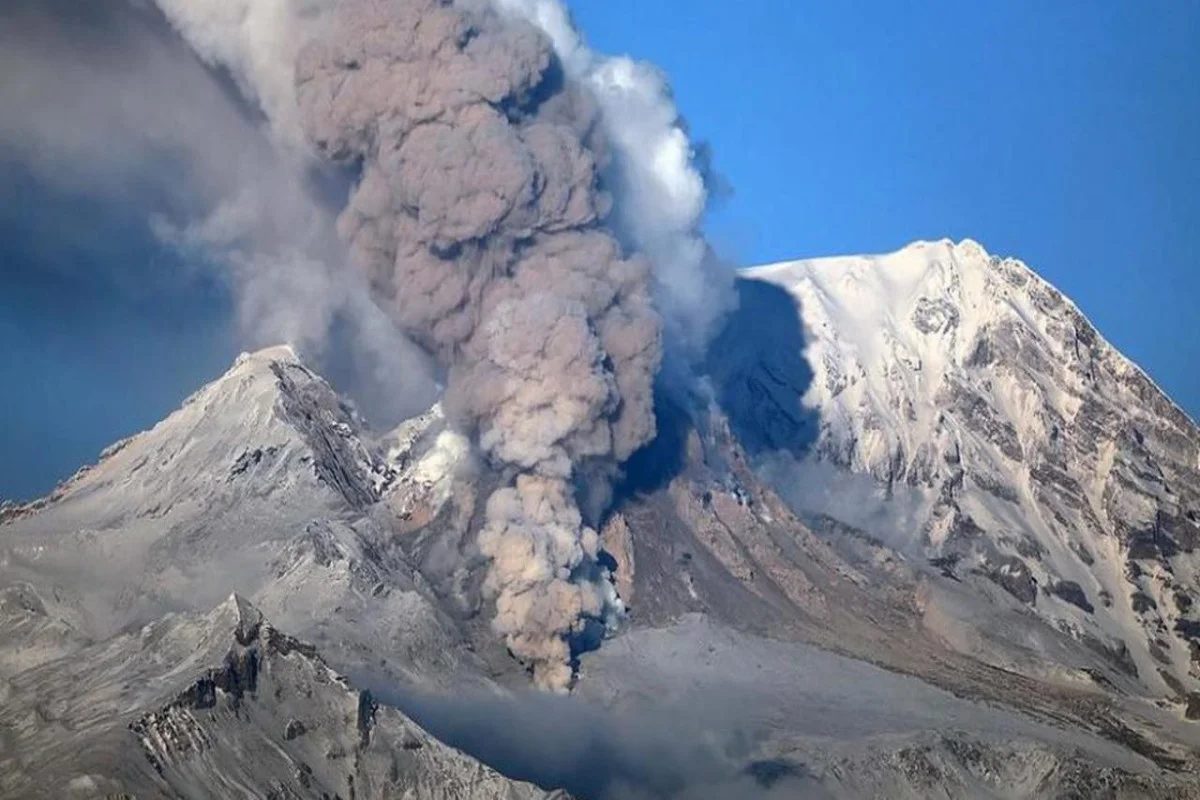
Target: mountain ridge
{"points": [[969, 243], [268, 485], [1012, 435], [220, 702]]}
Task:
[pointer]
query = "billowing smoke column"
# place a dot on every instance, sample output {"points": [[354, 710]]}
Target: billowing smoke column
{"points": [[528, 212], [662, 193], [481, 223], [525, 210]]}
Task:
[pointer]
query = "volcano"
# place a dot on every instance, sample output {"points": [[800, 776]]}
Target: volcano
{"points": [[916, 530]]}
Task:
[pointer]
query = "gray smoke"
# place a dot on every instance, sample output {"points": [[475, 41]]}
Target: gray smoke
{"points": [[658, 176], [481, 224], [695, 751], [105, 103], [490, 146]]}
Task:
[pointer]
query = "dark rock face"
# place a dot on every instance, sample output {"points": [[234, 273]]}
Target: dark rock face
{"points": [[330, 428], [1116, 653], [294, 729], [1014, 576], [367, 707], [767, 774], [1143, 603], [1073, 593], [934, 315], [980, 416], [1192, 711], [1152, 544], [202, 694], [249, 459], [239, 676]]}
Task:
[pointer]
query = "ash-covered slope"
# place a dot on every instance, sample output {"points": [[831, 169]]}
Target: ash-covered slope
{"points": [[267, 484], [996, 432], [262, 483], [712, 539], [218, 705]]}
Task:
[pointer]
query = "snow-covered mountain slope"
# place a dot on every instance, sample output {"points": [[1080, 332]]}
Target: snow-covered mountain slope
{"points": [[268, 485], [219, 704], [959, 407], [261, 484]]}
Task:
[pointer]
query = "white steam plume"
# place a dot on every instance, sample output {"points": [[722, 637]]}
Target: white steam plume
{"points": [[662, 191]]}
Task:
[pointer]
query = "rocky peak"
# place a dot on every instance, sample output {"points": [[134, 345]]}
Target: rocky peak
{"points": [[195, 702], [247, 620], [244, 433], [997, 424]]}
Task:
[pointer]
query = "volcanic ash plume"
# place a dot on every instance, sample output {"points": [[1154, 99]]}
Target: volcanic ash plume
{"points": [[482, 229], [657, 175]]}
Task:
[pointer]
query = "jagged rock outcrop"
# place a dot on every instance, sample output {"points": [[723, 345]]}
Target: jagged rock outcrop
{"points": [[219, 704]]}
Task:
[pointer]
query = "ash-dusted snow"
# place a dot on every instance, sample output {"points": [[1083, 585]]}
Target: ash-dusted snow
{"points": [[975, 652], [985, 414]]}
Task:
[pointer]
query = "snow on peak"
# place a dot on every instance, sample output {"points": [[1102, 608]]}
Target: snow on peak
{"points": [[239, 615], [281, 353], [932, 308], [883, 332], [269, 421], [967, 380]]}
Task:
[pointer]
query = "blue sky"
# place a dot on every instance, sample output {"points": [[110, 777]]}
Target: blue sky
{"points": [[97, 339], [1062, 132]]}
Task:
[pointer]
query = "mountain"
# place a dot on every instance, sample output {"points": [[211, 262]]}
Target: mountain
{"points": [[997, 433], [219, 705], [262, 595], [259, 484]]}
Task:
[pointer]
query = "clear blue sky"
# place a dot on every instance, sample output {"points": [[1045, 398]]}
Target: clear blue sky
{"points": [[1062, 132]]}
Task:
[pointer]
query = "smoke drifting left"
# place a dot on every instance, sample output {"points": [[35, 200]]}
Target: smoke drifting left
{"points": [[522, 212], [111, 115]]}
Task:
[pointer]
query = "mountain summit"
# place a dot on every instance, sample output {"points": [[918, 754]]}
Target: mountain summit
{"points": [[918, 531], [999, 434]]}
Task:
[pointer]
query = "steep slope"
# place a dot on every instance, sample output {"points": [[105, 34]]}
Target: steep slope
{"points": [[268, 485], [265, 446], [996, 432], [262, 483], [712, 539], [218, 705]]}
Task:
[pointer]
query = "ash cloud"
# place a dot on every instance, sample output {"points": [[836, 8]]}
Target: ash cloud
{"points": [[106, 106], [660, 178], [481, 223], [700, 751], [525, 211]]}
